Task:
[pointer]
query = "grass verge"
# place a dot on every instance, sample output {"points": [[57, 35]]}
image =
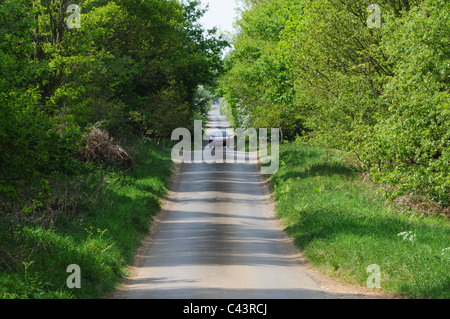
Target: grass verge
{"points": [[100, 217], [343, 225]]}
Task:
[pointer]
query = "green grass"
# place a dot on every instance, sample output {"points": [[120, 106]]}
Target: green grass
{"points": [[343, 225], [111, 211]]}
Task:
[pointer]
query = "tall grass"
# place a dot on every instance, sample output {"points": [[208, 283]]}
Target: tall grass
{"points": [[110, 214], [343, 225]]}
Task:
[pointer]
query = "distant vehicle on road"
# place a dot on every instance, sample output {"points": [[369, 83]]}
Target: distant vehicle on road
{"points": [[218, 138]]}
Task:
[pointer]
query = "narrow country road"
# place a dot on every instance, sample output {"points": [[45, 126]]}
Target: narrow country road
{"points": [[218, 238]]}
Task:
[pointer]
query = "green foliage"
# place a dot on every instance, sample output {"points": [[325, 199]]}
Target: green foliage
{"points": [[257, 84], [342, 225], [97, 223], [315, 68], [127, 67], [203, 99], [411, 140], [132, 67]]}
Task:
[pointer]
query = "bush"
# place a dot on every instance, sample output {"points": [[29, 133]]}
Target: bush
{"points": [[380, 94], [410, 148], [34, 146]]}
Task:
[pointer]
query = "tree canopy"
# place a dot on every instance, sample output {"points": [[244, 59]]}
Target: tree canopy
{"points": [[130, 65], [319, 69]]}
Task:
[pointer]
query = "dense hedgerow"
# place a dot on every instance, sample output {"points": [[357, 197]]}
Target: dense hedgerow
{"points": [[316, 69]]}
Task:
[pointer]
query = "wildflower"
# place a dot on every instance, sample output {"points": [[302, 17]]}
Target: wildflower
{"points": [[408, 236]]}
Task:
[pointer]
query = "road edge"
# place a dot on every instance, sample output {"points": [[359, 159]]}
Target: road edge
{"points": [[332, 286], [148, 240]]}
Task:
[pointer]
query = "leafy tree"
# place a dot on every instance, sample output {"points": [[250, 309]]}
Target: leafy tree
{"points": [[132, 65], [258, 85], [316, 68], [411, 141]]}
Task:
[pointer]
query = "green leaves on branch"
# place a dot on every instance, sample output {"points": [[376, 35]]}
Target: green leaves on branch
{"points": [[132, 65], [315, 68]]}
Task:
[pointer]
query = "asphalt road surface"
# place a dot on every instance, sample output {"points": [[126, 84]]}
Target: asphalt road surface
{"points": [[218, 238]]}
